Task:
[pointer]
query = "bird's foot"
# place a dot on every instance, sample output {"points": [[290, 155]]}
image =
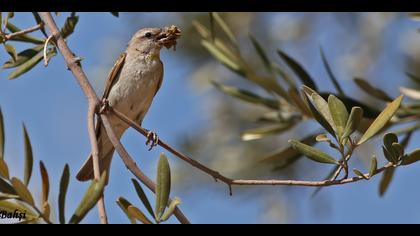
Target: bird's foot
{"points": [[152, 139], [104, 106]]}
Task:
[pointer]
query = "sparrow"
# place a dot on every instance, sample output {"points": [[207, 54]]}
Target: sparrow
{"points": [[130, 88]]}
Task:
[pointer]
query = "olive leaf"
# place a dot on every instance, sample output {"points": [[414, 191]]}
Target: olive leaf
{"points": [[45, 182], [143, 197], [124, 204], [64, 183], [69, 26], [22, 190], [11, 51], [4, 169], [261, 53], [26, 66], [10, 206], [91, 197], [23, 56], [261, 132], [24, 37], [29, 159], [2, 136], [330, 73], [298, 69], [412, 157], [6, 188], [371, 90], [138, 214], [163, 186], [312, 153], [373, 166], [360, 174], [386, 180], [225, 28], [381, 120], [171, 208], [338, 113], [356, 115]]}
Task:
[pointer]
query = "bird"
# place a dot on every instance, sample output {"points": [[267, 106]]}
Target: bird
{"points": [[130, 88]]}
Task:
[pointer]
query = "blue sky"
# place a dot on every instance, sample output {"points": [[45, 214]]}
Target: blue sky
{"points": [[53, 108]]}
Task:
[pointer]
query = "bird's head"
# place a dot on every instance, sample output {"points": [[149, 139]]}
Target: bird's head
{"points": [[149, 41]]}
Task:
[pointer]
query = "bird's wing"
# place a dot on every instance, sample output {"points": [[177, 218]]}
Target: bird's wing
{"points": [[160, 80], [114, 75]]}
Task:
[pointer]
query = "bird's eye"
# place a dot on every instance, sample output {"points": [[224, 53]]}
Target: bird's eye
{"points": [[148, 35]]}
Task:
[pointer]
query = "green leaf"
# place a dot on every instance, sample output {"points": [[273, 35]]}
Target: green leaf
{"points": [[29, 159], [261, 132], [143, 197], [6, 188], [124, 204], [91, 197], [381, 120], [299, 102], [412, 157], [116, 14], [360, 174], [69, 26], [247, 96], [25, 37], [298, 69], [312, 153], [10, 206], [373, 166], [356, 115], [64, 183], [26, 66], [2, 136], [286, 156], [386, 180], [315, 113], [23, 56], [223, 58], [225, 28], [137, 214], [174, 203], [163, 186], [330, 73], [389, 139], [11, 51], [371, 90], [338, 113], [23, 192], [45, 182], [4, 170], [389, 155], [261, 53], [368, 111]]}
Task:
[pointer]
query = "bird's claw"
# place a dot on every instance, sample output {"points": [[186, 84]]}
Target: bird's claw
{"points": [[104, 106], [152, 139]]}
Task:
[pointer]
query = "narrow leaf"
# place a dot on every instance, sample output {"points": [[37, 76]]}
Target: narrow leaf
{"points": [[124, 204], [64, 183], [386, 180], [46, 210], [45, 182], [360, 174], [371, 90], [69, 26], [261, 53], [163, 186], [4, 169], [261, 132], [39, 21], [225, 28], [316, 114], [143, 197], [6, 188], [299, 102], [91, 197], [412, 157], [247, 96], [330, 73], [413, 77], [298, 69], [136, 213], [389, 155], [29, 159], [356, 115], [22, 191], [312, 153], [26, 66], [23, 56], [389, 139], [10, 206], [11, 51], [223, 58], [174, 203], [338, 113], [381, 120], [373, 166]]}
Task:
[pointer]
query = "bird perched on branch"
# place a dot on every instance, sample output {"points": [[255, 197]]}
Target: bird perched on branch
{"points": [[132, 83]]}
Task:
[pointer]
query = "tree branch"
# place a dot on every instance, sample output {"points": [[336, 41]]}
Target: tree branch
{"points": [[74, 66], [22, 32], [217, 176]]}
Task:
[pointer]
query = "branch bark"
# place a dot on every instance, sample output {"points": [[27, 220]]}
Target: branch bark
{"points": [[22, 32], [73, 64]]}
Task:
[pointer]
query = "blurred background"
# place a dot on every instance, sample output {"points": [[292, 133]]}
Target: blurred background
{"points": [[199, 120]]}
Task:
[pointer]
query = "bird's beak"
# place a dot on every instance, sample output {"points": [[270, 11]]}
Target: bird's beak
{"points": [[168, 36]]}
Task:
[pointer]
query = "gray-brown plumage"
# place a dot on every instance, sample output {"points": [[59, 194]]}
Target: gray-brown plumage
{"points": [[133, 81]]}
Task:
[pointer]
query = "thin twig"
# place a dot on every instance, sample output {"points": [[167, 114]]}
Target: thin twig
{"points": [[217, 176], [45, 50], [89, 93], [22, 32]]}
